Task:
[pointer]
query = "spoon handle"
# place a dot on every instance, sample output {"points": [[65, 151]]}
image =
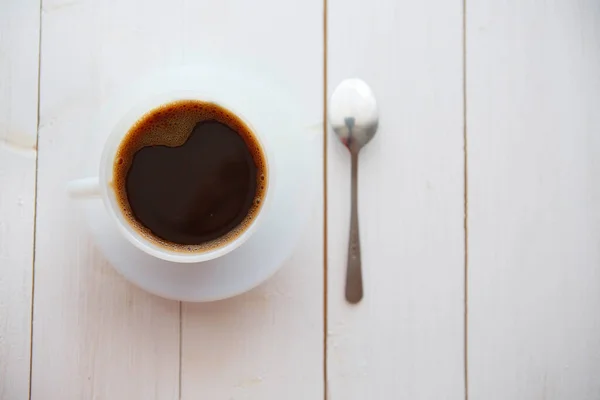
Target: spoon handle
{"points": [[354, 285]]}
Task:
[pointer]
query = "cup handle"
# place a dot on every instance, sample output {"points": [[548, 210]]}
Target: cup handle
{"points": [[84, 188]]}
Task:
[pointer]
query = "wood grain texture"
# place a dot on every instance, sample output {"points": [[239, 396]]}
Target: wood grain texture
{"points": [[533, 91], [405, 339], [268, 343], [95, 335], [19, 39]]}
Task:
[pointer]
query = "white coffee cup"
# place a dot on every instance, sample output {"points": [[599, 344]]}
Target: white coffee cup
{"points": [[101, 186]]}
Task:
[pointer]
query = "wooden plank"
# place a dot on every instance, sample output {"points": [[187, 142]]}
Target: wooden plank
{"points": [[405, 339], [19, 50], [533, 91], [266, 344], [95, 335]]}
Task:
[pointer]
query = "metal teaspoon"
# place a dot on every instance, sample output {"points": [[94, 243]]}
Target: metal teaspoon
{"points": [[354, 118]]}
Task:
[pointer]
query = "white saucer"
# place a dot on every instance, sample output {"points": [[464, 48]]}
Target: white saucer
{"points": [[297, 144]]}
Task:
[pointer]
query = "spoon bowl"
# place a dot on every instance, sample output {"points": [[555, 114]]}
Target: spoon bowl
{"points": [[353, 113]]}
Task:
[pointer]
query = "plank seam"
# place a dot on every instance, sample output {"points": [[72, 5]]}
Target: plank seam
{"points": [[35, 200], [466, 206], [325, 227]]}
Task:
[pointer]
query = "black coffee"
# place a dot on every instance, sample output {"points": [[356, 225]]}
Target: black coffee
{"points": [[190, 175]]}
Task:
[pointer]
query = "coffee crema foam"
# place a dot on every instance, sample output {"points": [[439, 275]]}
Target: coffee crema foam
{"points": [[172, 125]]}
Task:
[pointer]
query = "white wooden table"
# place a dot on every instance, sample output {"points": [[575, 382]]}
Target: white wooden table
{"points": [[479, 202]]}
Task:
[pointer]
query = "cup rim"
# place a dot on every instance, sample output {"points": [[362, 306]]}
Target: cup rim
{"points": [[120, 129]]}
